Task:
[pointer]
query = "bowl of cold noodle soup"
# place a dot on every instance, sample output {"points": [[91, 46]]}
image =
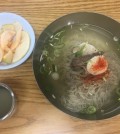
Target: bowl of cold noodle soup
{"points": [[77, 67]]}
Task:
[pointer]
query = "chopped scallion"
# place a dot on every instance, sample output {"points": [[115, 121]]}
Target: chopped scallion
{"points": [[58, 45], [55, 75], [45, 52], [91, 110], [80, 52], [54, 68], [56, 52]]}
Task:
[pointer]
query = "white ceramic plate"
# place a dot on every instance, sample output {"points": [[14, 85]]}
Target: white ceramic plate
{"points": [[7, 18]]}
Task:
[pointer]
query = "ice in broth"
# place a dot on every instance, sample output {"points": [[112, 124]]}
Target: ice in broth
{"points": [[81, 63]]}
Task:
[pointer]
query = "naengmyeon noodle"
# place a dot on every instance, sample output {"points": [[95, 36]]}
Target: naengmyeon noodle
{"points": [[80, 95], [69, 88]]}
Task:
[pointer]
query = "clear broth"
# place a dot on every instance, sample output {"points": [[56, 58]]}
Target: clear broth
{"points": [[57, 55], [5, 102]]}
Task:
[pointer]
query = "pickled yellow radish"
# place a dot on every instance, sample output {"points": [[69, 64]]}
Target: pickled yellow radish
{"points": [[17, 26], [23, 47], [8, 27], [7, 58], [18, 36], [14, 42], [1, 54], [6, 37]]}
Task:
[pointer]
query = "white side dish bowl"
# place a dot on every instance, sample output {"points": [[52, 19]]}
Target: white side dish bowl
{"points": [[9, 18]]}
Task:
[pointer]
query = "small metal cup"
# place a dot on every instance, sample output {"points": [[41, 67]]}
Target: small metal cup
{"points": [[7, 102]]}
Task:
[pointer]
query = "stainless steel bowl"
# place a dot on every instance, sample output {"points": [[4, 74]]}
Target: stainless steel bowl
{"points": [[95, 19], [7, 102]]}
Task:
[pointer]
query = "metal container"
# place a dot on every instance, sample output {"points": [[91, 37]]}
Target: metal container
{"points": [[7, 102], [94, 19]]}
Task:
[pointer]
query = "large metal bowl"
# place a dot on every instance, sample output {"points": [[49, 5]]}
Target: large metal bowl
{"points": [[81, 17]]}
